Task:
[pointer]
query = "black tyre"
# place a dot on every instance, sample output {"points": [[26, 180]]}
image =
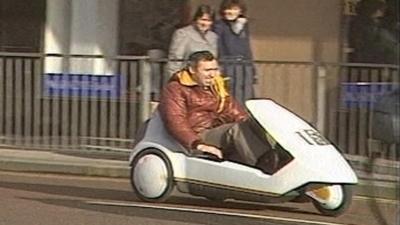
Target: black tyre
{"points": [[152, 176], [340, 202]]}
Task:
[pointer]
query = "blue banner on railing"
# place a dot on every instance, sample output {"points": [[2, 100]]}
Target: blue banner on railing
{"points": [[77, 85], [364, 94]]}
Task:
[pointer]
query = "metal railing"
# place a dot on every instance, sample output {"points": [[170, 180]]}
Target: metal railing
{"points": [[352, 91], [32, 116], [36, 115]]}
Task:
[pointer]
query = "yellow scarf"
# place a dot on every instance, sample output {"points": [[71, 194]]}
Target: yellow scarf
{"points": [[185, 78]]}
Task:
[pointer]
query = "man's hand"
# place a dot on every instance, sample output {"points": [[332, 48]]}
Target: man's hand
{"points": [[210, 149]]}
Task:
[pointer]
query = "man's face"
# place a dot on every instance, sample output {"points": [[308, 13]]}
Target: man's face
{"points": [[205, 72]]}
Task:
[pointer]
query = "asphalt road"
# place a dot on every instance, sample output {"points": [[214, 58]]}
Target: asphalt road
{"points": [[40, 199]]}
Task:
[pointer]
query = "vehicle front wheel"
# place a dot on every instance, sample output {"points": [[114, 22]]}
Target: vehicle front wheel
{"points": [[332, 200], [152, 176]]}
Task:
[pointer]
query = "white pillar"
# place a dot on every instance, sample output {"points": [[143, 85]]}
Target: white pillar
{"points": [[93, 32], [56, 35], [321, 98]]}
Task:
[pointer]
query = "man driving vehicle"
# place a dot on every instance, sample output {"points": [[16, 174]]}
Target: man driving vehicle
{"points": [[201, 115]]}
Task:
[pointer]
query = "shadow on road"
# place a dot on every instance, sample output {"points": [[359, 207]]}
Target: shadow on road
{"points": [[72, 191]]}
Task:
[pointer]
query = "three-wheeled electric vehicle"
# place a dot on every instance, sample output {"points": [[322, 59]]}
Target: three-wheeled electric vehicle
{"points": [[308, 166]]}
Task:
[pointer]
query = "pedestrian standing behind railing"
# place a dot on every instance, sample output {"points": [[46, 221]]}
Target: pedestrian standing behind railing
{"points": [[192, 38], [372, 40], [234, 48]]}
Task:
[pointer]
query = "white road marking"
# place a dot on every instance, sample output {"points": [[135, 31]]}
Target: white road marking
{"points": [[216, 212], [381, 200]]}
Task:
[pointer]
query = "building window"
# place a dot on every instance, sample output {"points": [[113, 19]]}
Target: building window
{"points": [[372, 31], [149, 24], [21, 25]]}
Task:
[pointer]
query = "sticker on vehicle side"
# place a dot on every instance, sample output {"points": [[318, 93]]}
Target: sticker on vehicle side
{"points": [[312, 137]]}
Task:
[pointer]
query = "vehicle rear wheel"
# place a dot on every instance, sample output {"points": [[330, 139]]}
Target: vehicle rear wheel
{"points": [[152, 176], [332, 200]]}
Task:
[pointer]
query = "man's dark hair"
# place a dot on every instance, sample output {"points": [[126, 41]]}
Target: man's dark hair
{"points": [[198, 56], [204, 9], [226, 4]]}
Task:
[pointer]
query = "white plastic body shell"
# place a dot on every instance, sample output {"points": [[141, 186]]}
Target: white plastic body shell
{"points": [[315, 160]]}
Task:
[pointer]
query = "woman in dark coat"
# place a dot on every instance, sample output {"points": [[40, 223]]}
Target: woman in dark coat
{"points": [[371, 41], [234, 48]]}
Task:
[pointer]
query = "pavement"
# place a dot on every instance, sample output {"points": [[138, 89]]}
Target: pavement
{"points": [[378, 178]]}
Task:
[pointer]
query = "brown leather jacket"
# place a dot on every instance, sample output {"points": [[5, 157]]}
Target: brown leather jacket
{"points": [[187, 109]]}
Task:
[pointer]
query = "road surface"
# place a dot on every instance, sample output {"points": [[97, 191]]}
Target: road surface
{"points": [[44, 199]]}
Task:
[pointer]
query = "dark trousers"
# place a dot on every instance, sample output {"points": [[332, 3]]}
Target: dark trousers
{"points": [[239, 142]]}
